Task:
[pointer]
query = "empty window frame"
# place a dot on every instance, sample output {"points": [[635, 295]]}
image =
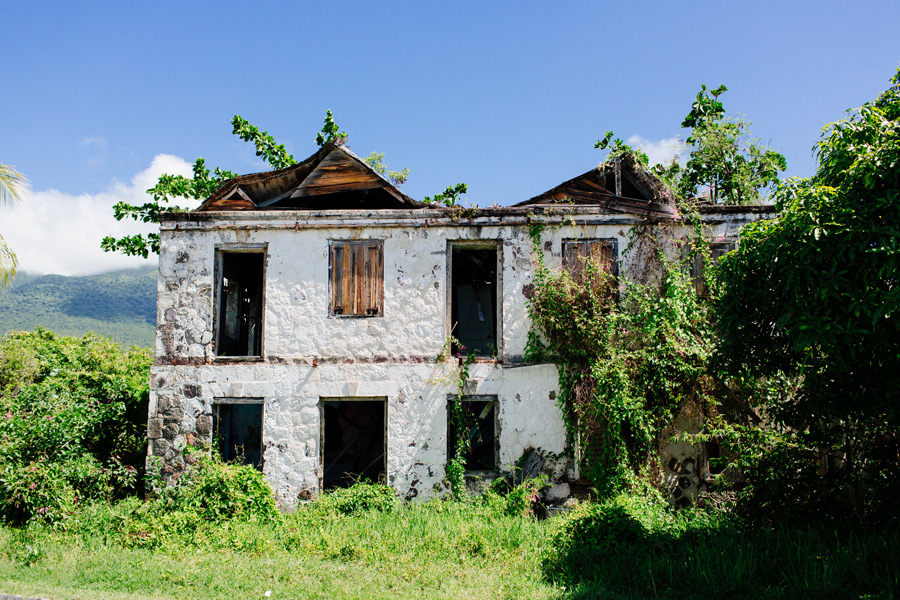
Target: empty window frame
{"points": [[240, 302], [356, 278], [716, 251], [353, 441], [474, 314], [237, 430], [481, 428], [578, 254]]}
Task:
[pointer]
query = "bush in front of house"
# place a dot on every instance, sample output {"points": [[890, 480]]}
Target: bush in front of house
{"points": [[73, 413]]}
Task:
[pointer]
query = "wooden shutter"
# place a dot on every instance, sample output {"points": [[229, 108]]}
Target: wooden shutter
{"points": [[576, 252], [357, 278]]}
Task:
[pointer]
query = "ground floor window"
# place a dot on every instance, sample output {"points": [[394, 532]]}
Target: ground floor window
{"points": [[354, 441], [481, 428], [237, 430]]}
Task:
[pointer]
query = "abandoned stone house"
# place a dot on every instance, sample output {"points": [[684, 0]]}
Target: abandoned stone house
{"points": [[302, 313]]}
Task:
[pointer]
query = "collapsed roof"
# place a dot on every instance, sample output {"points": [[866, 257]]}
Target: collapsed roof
{"points": [[621, 184], [333, 178]]}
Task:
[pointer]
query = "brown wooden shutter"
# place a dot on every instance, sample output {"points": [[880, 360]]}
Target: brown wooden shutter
{"points": [[576, 252], [357, 278]]}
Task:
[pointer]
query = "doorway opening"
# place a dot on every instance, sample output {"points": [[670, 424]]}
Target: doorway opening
{"points": [[354, 441]]}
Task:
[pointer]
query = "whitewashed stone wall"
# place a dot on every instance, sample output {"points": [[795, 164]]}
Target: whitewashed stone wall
{"points": [[307, 355]]}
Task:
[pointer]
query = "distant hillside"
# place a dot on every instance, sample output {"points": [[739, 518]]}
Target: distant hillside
{"points": [[120, 304]]}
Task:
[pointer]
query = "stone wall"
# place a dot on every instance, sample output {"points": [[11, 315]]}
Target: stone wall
{"points": [[308, 355]]}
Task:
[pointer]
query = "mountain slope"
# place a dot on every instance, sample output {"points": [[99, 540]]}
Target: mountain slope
{"points": [[120, 304]]}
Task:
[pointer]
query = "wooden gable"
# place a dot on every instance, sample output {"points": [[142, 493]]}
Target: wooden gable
{"points": [[620, 185], [331, 179]]}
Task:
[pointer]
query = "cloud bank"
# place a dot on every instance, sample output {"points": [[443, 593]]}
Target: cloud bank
{"points": [[57, 232]]}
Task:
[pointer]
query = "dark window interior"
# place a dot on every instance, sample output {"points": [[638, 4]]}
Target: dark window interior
{"points": [[237, 430], [354, 442], [480, 416], [240, 304], [474, 300], [372, 199]]}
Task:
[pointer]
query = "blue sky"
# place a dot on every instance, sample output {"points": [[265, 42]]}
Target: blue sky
{"points": [[508, 97]]}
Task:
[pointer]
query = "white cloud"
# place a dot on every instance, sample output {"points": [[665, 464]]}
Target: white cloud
{"points": [[662, 151], [57, 232]]}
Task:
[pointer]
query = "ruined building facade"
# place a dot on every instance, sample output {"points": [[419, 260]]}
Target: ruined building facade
{"points": [[307, 318]]}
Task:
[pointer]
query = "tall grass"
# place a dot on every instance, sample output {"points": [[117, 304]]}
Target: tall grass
{"points": [[363, 543]]}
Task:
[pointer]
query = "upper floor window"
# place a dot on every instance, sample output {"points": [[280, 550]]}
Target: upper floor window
{"points": [[473, 298], [356, 278], [577, 255], [239, 307], [698, 264]]}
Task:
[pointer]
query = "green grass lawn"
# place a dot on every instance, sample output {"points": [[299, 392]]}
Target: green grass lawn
{"points": [[417, 551], [628, 548]]}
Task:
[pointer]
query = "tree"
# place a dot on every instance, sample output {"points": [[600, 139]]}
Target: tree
{"points": [[204, 182], [810, 302], [725, 161], [816, 292], [12, 185]]}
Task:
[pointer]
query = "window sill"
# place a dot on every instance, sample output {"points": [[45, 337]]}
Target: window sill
{"points": [[240, 359]]}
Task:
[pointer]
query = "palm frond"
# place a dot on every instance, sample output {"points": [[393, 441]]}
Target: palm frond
{"points": [[12, 185], [8, 263]]}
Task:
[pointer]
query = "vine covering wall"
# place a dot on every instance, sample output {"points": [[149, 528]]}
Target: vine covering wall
{"points": [[632, 353]]}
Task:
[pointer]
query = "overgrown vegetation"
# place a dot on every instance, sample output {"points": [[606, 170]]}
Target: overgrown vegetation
{"points": [[72, 423], [630, 357], [810, 309]]}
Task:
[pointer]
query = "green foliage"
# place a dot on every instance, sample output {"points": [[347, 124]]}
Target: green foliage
{"points": [[456, 466], [330, 131], [167, 189], [449, 197], [618, 148], [266, 147], [205, 182], [627, 365], [811, 298], [214, 490], [361, 497], [636, 547], [724, 160], [12, 185], [376, 161], [72, 419]]}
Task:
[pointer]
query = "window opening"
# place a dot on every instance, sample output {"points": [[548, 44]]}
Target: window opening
{"points": [[577, 253], [354, 441], [473, 300], [239, 331], [716, 251], [356, 278], [481, 428], [237, 432]]}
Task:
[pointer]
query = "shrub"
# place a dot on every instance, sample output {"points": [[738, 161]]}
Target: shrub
{"points": [[359, 498], [72, 419], [596, 534]]}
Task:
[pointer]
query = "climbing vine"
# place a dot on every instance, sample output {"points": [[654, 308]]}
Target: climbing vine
{"points": [[630, 356], [456, 466]]}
